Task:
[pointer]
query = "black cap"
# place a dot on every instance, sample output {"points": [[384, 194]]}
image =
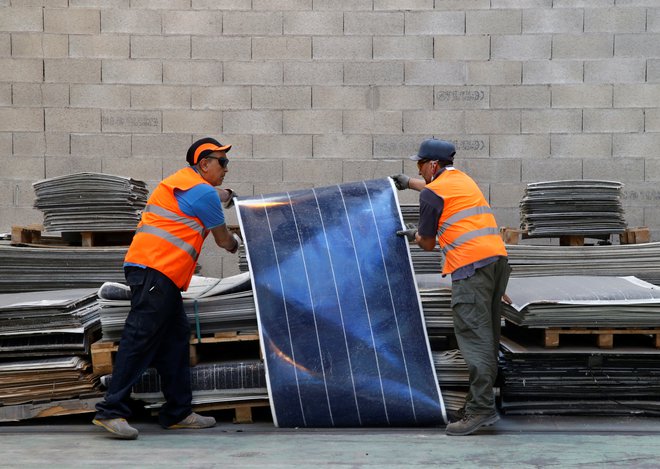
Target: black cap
{"points": [[433, 149], [202, 148]]}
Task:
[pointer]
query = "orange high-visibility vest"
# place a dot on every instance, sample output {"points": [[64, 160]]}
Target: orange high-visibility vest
{"points": [[467, 230], [167, 239]]}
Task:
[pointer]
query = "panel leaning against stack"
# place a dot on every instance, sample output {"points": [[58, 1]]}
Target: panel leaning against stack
{"points": [[572, 207]]}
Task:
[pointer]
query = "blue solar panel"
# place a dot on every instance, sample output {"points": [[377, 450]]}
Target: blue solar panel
{"points": [[339, 314]]}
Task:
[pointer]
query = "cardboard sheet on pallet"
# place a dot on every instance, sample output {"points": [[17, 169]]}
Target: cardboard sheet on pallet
{"points": [[340, 318]]}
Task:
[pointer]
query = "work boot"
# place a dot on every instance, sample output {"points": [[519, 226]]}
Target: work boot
{"points": [[470, 423], [118, 427], [194, 421]]}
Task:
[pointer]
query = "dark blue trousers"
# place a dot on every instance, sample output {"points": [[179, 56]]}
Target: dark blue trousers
{"points": [[156, 334]]}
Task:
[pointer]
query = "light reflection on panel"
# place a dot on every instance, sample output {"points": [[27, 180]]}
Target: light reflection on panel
{"points": [[339, 314]]}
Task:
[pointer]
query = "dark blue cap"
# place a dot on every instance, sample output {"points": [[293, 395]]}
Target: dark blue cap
{"points": [[433, 149]]}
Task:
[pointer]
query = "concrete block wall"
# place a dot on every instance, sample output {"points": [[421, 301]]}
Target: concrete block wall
{"points": [[317, 92]]}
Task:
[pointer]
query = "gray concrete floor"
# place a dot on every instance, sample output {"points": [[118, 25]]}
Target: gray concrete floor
{"points": [[520, 442]]}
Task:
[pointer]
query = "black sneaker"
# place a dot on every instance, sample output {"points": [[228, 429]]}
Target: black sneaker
{"points": [[470, 423]]}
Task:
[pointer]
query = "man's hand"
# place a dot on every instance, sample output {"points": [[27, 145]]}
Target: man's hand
{"points": [[410, 234], [401, 181], [239, 243], [227, 197]]}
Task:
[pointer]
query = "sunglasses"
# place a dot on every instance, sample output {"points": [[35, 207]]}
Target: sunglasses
{"points": [[223, 161], [421, 163]]}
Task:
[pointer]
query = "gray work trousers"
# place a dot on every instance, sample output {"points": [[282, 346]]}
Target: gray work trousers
{"points": [[476, 306]]}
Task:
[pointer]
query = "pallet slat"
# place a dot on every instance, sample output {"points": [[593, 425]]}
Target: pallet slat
{"points": [[605, 337]]}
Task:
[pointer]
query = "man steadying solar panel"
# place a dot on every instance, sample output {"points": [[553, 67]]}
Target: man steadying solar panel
{"points": [[159, 264], [452, 207]]}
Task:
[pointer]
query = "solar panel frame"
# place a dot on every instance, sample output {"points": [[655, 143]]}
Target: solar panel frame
{"points": [[299, 246]]}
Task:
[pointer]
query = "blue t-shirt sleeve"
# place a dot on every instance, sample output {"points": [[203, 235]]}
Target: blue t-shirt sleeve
{"points": [[203, 202], [430, 209]]}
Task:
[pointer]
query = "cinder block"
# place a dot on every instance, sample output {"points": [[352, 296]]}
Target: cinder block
{"points": [[552, 20], [341, 48], [221, 4], [72, 70], [613, 120], [30, 45], [468, 146], [131, 21], [374, 23], [282, 5], [551, 169], [520, 146], [398, 147], [461, 97], [181, 121], [615, 71], [582, 46], [21, 70], [640, 194], [100, 3], [403, 48], [29, 144], [367, 169], [260, 23], [614, 169], [552, 71], [493, 21], [253, 73], [221, 97], [252, 122], [132, 71], [652, 170], [431, 72], [637, 45], [131, 121], [40, 95], [5, 93], [5, 45], [641, 95], [343, 5], [192, 72], [19, 215], [101, 96], [403, 97], [434, 22], [581, 145], [343, 97], [281, 97], [15, 119], [160, 47], [429, 122], [489, 170], [652, 120], [160, 4], [196, 23], [58, 144], [101, 145], [72, 21], [160, 97], [313, 23], [403, 5], [15, 192], [615, 20], [526, 97], [73, 120], [313, 73], [104, 46], [506, 195], [653, 71], [241, 144], [258, 171], [137, 168], [636, 145], [21, 19], [221, 48], [282, 146], [342, 146], [312, 122], [497, 72], [372, 122], [491, 121], [281, 48], [521, 47], [320, 172], [463, 5], [652, 20], [551, 120], [581, 96], [475, 47], [167, 146]]}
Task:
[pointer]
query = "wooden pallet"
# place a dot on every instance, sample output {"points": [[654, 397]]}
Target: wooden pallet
{"points": [[242, 409], [605, 336], [103, 352], [33, 235], [637, 235]]}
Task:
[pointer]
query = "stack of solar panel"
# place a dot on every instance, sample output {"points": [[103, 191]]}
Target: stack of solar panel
{"points": [[212, 305], [24, 269], [435, 293], [90, 202], [62, 322], [583, 301], [579, 380], [572, 207]]}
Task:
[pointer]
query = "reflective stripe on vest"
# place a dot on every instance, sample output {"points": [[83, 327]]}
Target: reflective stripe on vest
{"points": [[469, 236], [163, 234], [468, 212], [163, 212]]}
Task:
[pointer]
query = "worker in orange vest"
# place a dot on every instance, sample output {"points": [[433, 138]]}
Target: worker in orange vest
{"points": [[453, 210], [183, 209]]}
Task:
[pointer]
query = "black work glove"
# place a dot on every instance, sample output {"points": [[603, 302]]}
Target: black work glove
{"points": [[401, 181], [229, 202], [409, 234]]}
